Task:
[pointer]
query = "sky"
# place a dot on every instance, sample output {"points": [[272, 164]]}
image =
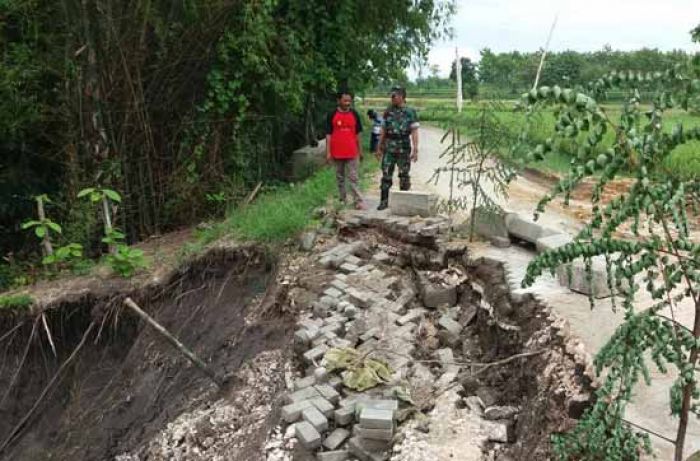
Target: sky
{"points": [[506, 25]]}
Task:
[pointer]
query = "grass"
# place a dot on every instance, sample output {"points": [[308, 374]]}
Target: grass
{"points": [[15, 301]]}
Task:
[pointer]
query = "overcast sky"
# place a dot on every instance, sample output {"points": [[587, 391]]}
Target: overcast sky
{"points": [[506, 25]]}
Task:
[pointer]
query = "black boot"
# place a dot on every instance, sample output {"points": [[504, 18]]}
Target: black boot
{"points": [[384, 201]]}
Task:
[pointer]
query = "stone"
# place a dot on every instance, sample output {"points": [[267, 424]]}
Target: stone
{"points": [[315, 354], [500, 242], [343, 415], [367, 449], [597, 287], [301, 339], [328, 393], [412, 203], [351, 311], [497, 432], [369, 334], [307, 240], [446, 357], [307, 435], [336, 382], [304, 382], [552, 242], [348, 268], [371, 418], [340, 343], [488, 396], [474, 404], [314, 417], [373, 434], [414, 315], [381, 258], [339, 285], [302, 394], [292, 412], [320, 309], [497, 412], [359, 298], [336, 455], [336, 438], [435, 295], [336, 328], [525, 229], [354, 260], [333, 292], [449, 324], [324, 406], [329, 300]]}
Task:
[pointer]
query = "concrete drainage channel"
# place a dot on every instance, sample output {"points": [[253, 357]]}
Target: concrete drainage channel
{"points": [[475, 371]]}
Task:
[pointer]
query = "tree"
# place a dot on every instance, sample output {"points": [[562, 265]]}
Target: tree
{"points": [[661, 256], [470, 83]]}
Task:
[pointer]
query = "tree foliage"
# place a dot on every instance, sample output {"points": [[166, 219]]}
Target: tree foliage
{"points": [[657, 254]]}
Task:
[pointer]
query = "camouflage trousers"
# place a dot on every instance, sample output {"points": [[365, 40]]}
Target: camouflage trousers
{"points": [[389, 161]]}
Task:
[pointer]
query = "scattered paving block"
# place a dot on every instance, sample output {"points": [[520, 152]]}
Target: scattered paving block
{"points": [[382, 257], [314, 417], [321, 374], [336, 382], [301, 339], [336, 438], [308, 436], [341, 277], [497, 432], [489, 223], [292, 412], [497, 412], [500, 242], [330, 301], [373, 434], [598, 285], [337, 455], [446, 357], [348, 268], [340, 343], [328, 393], [351, 311], [391, 405], [336, 328], [411, 203], [303, 394], [339, 285], [435, 295], [412, 316], [369, 334], [315, 354], [324, 406], [352, 259], [526, 229], [310, 324], [333, 292], [320, 309], [367, 449], [449, 324], [359, 298], [371, 418], [552, 242], [304, 382], [320, 341], [343, 415]]}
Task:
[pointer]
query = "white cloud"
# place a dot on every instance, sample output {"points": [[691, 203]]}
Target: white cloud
{"points": [[506, 25]]}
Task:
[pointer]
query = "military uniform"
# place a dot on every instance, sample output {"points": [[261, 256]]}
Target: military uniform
{"points": [[399, 122]]}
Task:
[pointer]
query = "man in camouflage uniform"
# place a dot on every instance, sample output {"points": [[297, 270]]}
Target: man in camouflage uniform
{"points": [[398, 144]]}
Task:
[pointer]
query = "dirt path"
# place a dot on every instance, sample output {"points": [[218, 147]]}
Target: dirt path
{"points": [[650, 408]]}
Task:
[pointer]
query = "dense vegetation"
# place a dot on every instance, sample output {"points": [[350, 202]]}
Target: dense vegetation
{"points": [[180, 107]]}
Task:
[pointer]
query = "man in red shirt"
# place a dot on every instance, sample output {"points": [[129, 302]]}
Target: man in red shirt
{"points": [[344, 145]]}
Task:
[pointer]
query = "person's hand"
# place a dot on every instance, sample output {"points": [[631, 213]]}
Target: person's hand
{"points": [[414, 155], [379, 153], [328, 157]]}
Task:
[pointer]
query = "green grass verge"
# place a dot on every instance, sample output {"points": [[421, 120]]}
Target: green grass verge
{"points": [[15, 301]]}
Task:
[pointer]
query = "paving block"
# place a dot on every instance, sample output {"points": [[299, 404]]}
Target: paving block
{"points": [[391, 405], [412, 203], [333, 292], [382, 257], [340, 343], [321, 374], [500, 242], [324, 406], [336, 438], [320, 309], [328, 393], [330, 301], [310, 324], [307, 435], [352, 259], [489, 223], [369, 334], [302, 394], [526, 229], [359, 298], [348, 268], [598, 286], [336, 382], [373, 434], [371, 418], [351, 311], [435, 295], [315, 354], [339, 284], [367, 449], [449, 324], [304, 382], [552, 242], [301, 339], [314, 417], [292, 412], [412, 316], [336, 455], [343, 415]]}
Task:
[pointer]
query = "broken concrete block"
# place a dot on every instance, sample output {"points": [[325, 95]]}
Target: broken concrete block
{"points": [[371, 418], [343, 415], [488, 223], [308, 436], [336, 455], [336, 438], [414, 316], [340, 343], [498, 432], [526, 229], [315, 354], [315, 418], [292, 412], [552, 242], [368, 449], [449, 324], [598, 285], [336, 328], [373, 434], [324, 406], [328, 393], [412, 203], [304, 382], [437, 294]]}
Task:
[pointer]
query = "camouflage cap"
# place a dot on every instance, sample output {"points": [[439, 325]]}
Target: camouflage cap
{"points": [[398, 90]]}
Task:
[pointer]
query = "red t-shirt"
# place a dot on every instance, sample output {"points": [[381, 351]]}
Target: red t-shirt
{"points": [[343, 128]]}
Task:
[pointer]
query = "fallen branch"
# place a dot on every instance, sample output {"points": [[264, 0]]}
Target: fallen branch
{"points": [[15, 431], [174, 341], [252, 195]]}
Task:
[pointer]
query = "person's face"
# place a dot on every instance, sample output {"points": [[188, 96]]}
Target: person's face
{"points": [[345, 101], [396, 98]]}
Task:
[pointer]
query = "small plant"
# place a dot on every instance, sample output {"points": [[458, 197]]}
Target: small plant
{"points": [[43, 227], [65, 255], [102, 196], [15, 301], [124, 260]]}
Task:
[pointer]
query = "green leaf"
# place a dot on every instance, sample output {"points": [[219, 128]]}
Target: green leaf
{"points": [[40, 231], [54, 227], [86, 192], [28, 224], [112, 195]]}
